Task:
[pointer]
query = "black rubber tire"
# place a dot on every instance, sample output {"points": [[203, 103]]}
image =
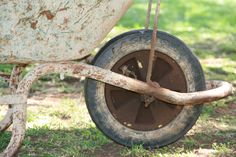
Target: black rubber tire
{"points": [[112, 52]]}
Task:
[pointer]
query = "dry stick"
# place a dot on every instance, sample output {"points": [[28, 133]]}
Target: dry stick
{"points": [[153, 43]]}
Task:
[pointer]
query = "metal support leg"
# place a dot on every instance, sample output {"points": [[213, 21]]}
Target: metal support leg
{"points": [[7, 120], [16, 114], [13, 83], [18, 130]]}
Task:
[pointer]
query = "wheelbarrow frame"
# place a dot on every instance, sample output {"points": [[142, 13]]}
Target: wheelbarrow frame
{"points": [[18, 99]]}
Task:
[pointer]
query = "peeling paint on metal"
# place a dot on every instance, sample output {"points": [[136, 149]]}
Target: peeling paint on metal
{"points": [[45, 31]]}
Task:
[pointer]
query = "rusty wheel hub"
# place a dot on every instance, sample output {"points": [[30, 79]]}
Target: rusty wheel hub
{"points": [[141, 112]]}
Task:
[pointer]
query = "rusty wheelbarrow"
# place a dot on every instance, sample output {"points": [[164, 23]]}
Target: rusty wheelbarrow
{"points": [[143, 87]]}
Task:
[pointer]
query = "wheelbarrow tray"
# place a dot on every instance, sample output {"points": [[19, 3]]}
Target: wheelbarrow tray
{"points": [[50, 31]]}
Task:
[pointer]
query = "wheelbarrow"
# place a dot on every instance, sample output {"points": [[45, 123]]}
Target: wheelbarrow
{"points": [[143, 87]]}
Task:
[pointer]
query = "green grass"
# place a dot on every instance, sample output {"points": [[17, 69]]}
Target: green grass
{"points": [[65, 128]]}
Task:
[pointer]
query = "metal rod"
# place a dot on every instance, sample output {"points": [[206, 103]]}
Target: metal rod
{"points": [[148, 14], [222, 89], [16, 113], [15, 76], [153, 43], [4, 76], [13, 80], [12, 99]]}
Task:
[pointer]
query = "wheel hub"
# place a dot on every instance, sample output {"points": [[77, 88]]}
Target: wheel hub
{"points": [[142, 112]]}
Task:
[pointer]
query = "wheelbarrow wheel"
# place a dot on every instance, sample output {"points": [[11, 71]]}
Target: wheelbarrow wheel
{"points": [[127, 117]]}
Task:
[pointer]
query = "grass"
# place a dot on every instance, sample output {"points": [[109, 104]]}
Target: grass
{"points": [[62, 126]]}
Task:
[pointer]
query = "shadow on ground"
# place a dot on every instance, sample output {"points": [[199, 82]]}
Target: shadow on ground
{"points": [[88, 142]]}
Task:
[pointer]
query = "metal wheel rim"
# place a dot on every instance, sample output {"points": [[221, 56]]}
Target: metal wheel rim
{"points": [[128, 107]]}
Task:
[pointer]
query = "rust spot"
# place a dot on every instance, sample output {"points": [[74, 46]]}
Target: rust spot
{"points": [[52, 56], [29, 7], [82, 27], [82, 50], [78, 69], [66, 20], [34, 24], [78, 38], [98, 76], [48, 14], [80, 5]]}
